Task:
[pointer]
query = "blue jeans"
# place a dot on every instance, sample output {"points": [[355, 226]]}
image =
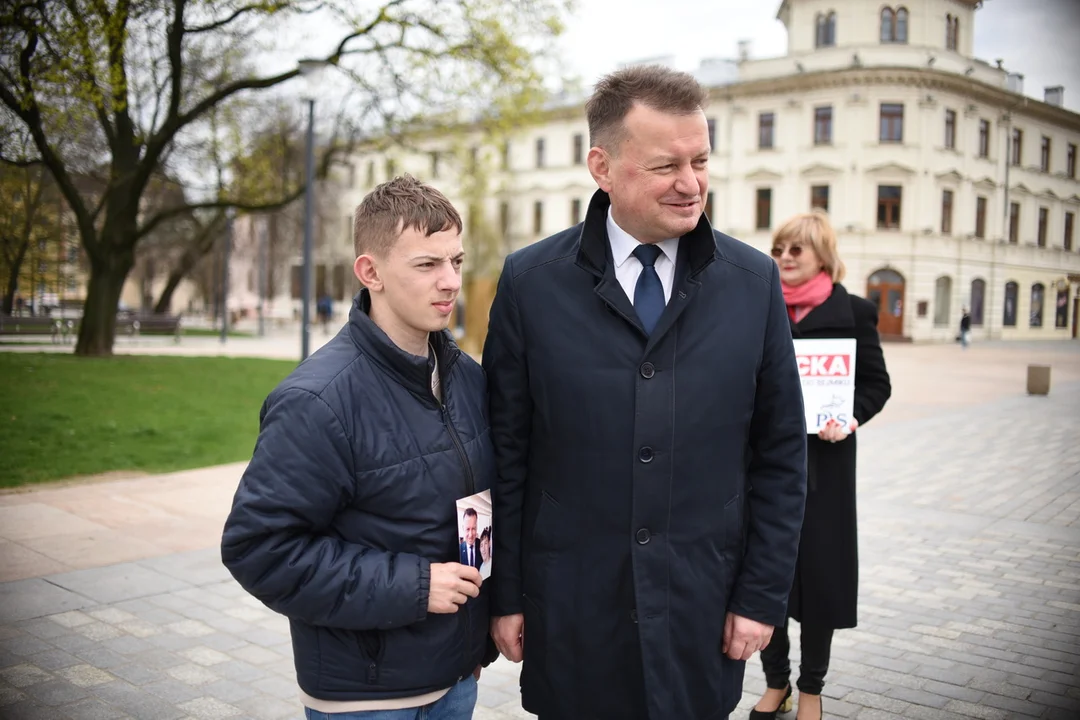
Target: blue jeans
{"points": [[458, 704]]}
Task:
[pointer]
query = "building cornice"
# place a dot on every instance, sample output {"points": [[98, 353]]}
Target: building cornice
{"points": [[922, 78]]}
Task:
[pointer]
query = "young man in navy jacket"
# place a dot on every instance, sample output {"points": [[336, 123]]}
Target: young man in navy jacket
{"points": [[345, 520]]}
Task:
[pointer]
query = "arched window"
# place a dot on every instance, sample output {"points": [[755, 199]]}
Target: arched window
{"points": [[1038, 294], [1012, 292], [978, 301], [901, 25], [1061, 309], [888, 25], [825, 30], [952, 32], [942, 300]]}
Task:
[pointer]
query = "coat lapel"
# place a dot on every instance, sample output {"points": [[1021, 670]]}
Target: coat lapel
{"points": [[697, 250], [834, 313]]}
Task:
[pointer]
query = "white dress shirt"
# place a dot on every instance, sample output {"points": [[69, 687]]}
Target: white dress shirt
{"points": [[628, 267]]}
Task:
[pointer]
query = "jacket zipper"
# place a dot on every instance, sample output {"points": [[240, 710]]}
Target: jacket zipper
{"points": [[470, 489]]}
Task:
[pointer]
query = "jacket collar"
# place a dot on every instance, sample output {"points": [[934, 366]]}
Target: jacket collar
{"points": [[834, 313], [594, 252], [413, 372]]}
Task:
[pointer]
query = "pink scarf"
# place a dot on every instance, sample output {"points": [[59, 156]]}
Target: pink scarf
{"points": [[801, 299]]}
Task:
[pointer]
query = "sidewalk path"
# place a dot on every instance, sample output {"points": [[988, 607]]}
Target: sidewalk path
{"points": [[114, 604]]}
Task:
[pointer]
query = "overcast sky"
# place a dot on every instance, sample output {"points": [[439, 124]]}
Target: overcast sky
{"points": [[1038, 38]]}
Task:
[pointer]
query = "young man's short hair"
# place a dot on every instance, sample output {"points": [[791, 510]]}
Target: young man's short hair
{"points": [[395, 206], [660, 88]]}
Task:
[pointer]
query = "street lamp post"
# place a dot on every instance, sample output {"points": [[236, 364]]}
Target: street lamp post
{"points": [[225, 275], [310, 70]]}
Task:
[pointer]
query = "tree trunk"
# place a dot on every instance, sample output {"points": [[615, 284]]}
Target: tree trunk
{"points": [[164, 303], [97, 331], [13, 278]]}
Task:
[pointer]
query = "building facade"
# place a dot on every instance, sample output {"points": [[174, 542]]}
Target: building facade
{"points": [[949, 188]]}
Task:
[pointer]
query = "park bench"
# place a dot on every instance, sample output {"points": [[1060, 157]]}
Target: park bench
{"points": [[134, 325], [60, 330]]}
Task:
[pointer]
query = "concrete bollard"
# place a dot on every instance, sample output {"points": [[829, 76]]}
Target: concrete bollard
{"points": [[1038, 379]]}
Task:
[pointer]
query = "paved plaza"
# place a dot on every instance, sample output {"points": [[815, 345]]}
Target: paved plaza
{"points": [[114, 603]]}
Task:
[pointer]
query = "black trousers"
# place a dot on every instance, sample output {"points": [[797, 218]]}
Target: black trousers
{"points": [[816, 645]]}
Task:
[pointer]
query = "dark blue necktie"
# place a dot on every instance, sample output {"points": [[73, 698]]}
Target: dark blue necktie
{"points": [[649, 292]]}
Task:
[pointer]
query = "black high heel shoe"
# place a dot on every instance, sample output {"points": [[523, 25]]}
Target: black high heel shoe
{"points": [[784, 707]]}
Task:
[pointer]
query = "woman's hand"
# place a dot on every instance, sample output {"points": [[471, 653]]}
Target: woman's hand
{"points": [[835, 432]]}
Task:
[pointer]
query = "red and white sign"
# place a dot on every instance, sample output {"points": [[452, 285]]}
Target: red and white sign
{"points": [[827, 370]]}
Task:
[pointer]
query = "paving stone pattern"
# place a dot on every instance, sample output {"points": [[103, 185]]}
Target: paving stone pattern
{"points": [[970, 606]]}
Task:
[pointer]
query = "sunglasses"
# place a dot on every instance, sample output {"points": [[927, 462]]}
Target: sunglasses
{"points": [[793, 250]]}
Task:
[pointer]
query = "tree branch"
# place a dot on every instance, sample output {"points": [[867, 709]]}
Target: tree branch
{"points": [[30, 114], [222, 23]]}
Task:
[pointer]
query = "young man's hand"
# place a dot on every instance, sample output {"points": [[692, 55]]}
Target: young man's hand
{"points": [[452, 584]]}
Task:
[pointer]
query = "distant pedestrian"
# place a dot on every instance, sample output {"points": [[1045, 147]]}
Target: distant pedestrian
{"points": [[965, 328]]}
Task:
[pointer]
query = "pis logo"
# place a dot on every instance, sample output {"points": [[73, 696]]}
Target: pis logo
{"points": [[832, 411], [824, 365]]}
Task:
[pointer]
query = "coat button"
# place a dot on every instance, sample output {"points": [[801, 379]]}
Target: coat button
{"points": [[633, 615], [648, 370], [643, 536], [645, 454]]}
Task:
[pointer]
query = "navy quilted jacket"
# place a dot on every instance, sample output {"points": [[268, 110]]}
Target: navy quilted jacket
{"points": [[349, 498]]}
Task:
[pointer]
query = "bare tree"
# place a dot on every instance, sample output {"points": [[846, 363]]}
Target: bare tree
{"points": [[132, 86]]}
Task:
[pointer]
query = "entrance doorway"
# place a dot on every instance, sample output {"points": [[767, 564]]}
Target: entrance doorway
{"points": [[885, 289]]}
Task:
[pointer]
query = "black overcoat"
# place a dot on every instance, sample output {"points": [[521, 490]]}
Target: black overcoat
{"points": [[646, 484], [826, 587]]}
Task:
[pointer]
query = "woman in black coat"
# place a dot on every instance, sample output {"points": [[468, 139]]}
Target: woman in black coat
{"points": [[825, 591]]}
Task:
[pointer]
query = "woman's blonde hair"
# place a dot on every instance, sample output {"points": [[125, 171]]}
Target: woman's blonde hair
{"points": [[814, 229]]}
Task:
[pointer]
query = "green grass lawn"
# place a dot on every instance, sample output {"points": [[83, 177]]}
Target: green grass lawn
{"points": [[62, 416], [210, 332]]}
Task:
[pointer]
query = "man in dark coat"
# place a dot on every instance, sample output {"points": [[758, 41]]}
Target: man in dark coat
{"points": [[346, 519], [468, 550], [648, 424]]}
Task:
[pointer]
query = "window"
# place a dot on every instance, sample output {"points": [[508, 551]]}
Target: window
{"points": [[819, 197], [506, 155], [1061, 309], [1070, 161], [474, 158], [764, 209], [946, 212], [1068, 244], [504, 219], [952, 32], [980, 217], [1012, 291], [942, 300], [888, 206], [1017, 145], [1044, 155], [978, 301], [575, 211], [765, 130], [1014, 223], [712, 134], [371, 172], [950, 129], [538, 217], [709, 206], [539, 152], [434, 165], [984, 138], [823, 125], [391, 169], [892, 123], [825, 30], [1038, 293], [894, 25], [579, 150], [1043, 219]]}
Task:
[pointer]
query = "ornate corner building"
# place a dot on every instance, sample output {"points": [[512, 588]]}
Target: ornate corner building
{"points": [[948, 186]]}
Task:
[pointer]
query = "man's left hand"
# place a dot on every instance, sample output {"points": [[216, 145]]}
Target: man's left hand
{"points": [[743, 637], [476, 672]]}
